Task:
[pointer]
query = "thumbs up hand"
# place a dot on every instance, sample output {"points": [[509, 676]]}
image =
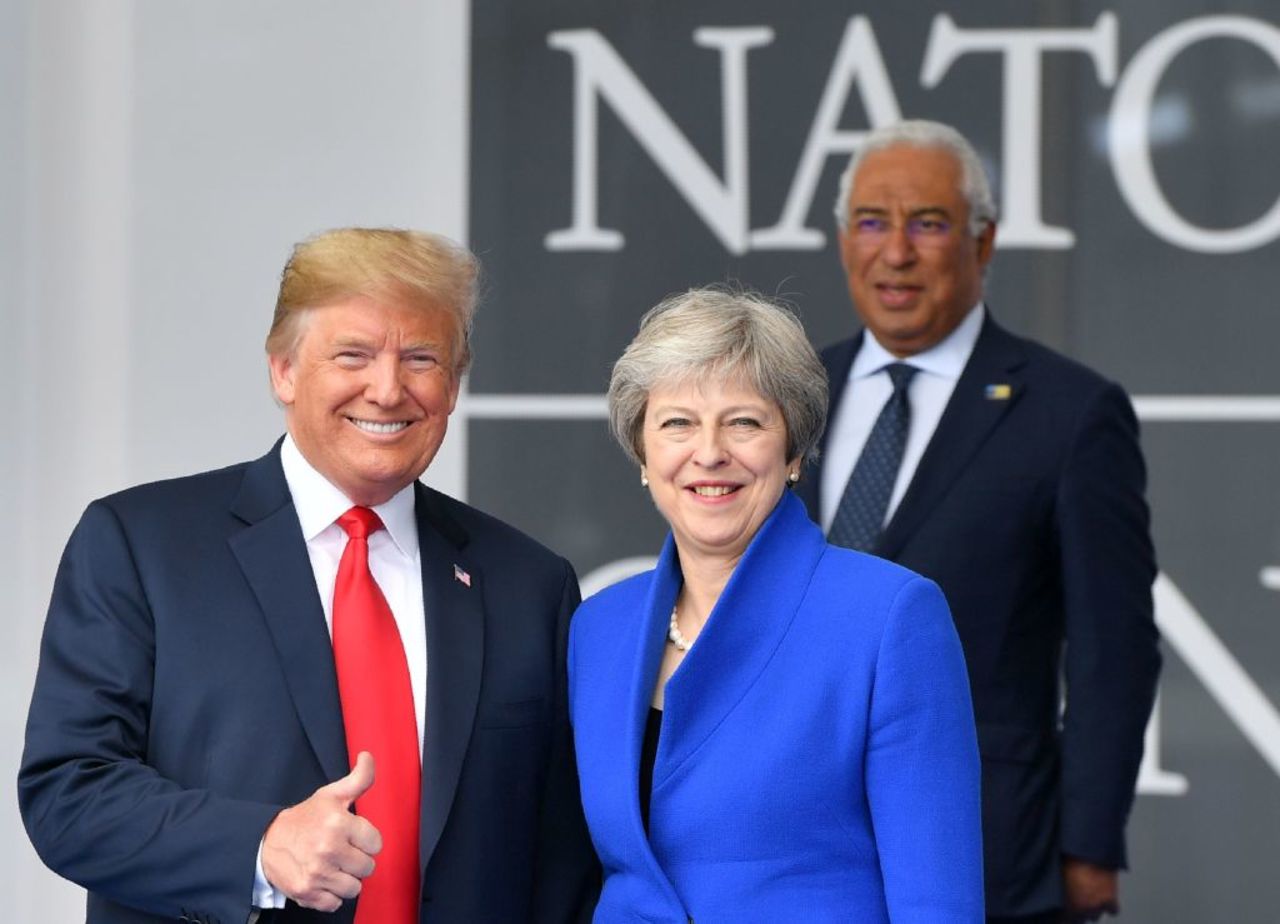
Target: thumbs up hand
{"points": [[355, 784], [317, 852]]}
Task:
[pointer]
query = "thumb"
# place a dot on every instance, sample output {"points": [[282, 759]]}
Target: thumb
{"points": [[356, 783]]}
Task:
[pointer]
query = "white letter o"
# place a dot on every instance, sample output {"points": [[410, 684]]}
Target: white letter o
{"points": [[1129, 119]]}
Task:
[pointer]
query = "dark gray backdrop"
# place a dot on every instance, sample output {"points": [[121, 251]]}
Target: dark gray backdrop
{"points": [[1185, 319]]}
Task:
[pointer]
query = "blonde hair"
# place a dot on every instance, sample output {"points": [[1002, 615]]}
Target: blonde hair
{"points": [[429, 271]]}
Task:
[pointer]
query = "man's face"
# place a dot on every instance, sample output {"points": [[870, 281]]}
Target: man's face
{"points": [[368, 392], [914, 269]]}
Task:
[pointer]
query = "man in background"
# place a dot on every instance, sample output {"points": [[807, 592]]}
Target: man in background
{"points": [[1013, 477], [307, 687]]}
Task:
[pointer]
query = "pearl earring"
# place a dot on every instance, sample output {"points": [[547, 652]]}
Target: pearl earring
{"points": [[793, 477], [644, 479]]}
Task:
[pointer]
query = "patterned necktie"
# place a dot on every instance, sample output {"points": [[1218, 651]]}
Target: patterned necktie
{"points": [[860, 516], [377, 712]]}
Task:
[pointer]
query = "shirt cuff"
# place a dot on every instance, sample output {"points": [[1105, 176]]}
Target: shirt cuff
{"points": [[265, 895]]}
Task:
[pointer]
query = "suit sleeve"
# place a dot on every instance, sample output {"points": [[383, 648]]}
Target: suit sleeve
{"points": [[96, 812], [922, 766], [567, 878], [1112, 659]]}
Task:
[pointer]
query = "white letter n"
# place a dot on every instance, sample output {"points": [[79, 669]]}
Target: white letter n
{"points": [[599, 73]]}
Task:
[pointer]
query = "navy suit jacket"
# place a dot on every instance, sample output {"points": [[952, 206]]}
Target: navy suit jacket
{"points": [[1027, 508], [817, 759], [186, 693]]}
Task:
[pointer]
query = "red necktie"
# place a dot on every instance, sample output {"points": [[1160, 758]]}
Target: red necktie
{"points": [[377, 712]]}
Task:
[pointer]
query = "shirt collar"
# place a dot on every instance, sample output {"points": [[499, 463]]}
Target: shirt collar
{"points": [[319, 503], [946, 358]]}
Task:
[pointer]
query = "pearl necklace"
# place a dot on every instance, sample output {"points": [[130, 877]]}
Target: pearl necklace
{"points": [[674, 636]]}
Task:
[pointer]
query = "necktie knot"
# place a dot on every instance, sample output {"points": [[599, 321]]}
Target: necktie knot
{"points": [[360, 522], [901, 375]]}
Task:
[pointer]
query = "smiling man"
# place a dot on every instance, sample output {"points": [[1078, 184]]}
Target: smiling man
{"points": [[307, 687], [1011, 476]]}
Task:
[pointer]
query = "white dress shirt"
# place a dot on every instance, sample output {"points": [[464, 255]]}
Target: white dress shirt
{"points": [[867, 390], [396, 565]]}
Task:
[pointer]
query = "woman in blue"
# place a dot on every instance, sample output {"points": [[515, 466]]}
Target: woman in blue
{"points": [[768, 728]]}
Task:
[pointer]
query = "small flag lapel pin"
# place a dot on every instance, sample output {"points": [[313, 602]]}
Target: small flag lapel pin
{"points": [[1000, 392], [461, 576]]}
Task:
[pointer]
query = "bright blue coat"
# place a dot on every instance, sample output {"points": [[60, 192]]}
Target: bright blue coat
{"points": [[817, 760]]}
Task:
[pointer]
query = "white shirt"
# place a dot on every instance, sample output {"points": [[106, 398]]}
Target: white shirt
{"points": [[396, 565], [867, 390]]}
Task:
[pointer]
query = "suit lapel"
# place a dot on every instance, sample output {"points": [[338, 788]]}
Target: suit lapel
{"points": [[455, 657], [987, 389], [838, 360], [273, 556]]}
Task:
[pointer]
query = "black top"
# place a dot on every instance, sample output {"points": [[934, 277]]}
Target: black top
{"points": [[648, 754]]}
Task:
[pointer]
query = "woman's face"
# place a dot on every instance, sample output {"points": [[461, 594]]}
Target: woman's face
{"points": [[715, 457]]}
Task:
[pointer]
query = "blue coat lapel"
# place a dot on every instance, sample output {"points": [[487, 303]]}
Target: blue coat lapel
{"points": [[649, 644], [750, 619], [273, 556]]}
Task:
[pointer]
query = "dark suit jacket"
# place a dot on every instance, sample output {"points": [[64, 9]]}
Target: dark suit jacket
{"points": [[186, 693], [1028, 511]]}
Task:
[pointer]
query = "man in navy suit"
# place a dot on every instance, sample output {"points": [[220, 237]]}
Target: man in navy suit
{"points": [[1016, 483], [187, 751]]}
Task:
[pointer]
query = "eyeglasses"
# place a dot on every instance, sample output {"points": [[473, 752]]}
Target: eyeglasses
{"points": [[922, 231]]}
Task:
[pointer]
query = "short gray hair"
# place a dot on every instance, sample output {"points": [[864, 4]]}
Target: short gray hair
{"points": [[921, 133], [714, 334]]}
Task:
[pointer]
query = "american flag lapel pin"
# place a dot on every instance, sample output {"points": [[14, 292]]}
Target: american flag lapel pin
{"points": [[461, 576], [998, 392]]}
